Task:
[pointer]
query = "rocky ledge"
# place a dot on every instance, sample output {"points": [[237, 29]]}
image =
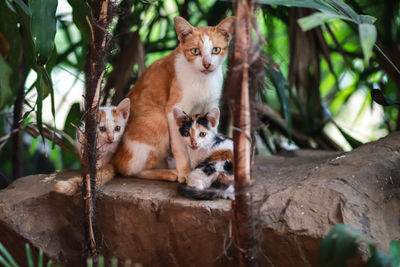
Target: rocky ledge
{"points": [[297, 199]]}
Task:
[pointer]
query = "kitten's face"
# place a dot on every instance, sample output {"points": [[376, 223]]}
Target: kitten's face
{"points": [[204, 47], [196, 130], [112, 122]]}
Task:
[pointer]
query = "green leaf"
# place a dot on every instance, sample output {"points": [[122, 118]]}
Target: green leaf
{"points": [[10, 7], [317, 19], [9, 29], [378, 259], [23, 7], [340, 245], [5, 89], [27, 41], [7, 255], [394, 251], [39, 101], [367, 19], [316, 4], [29, 256], [81, 10], [368, 36], [343, 9], [40, 259], [43, 28], [279, 82]]}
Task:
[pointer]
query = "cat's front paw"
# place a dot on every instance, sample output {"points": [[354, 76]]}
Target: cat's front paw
{"points": [[182, 178]]}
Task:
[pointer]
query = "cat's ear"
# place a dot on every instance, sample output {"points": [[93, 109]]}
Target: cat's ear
{"points": [[101, 115], [226, 27], [179, 115], [213, 117], [183, 28], [124, 107]]}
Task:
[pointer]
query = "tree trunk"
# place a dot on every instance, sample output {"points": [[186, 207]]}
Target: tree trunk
{"points": [[101, 11], [238, 93]]}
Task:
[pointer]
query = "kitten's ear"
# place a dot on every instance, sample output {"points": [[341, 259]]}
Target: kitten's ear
{"points": [[179, 115], [124, 107], [213, 117], [226, 27], [101, 115], [182, 28]]}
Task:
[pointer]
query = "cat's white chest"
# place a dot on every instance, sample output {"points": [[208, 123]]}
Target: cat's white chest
{"points": [[200, 92]]}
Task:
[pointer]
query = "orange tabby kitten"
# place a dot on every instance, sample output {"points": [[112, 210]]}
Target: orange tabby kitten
{"points": [[189, 78]]}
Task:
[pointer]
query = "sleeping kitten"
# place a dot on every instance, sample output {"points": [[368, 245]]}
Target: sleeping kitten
{"points": [[211, 156], [110, 129]]}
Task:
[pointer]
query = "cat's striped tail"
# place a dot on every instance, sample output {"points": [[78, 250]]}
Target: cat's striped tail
{"points": [[73, 185], [206, 194]]}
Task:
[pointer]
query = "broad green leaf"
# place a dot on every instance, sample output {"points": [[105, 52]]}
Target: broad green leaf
{"points": [[368, 36], [81, 10], [394, 251], [344, 9], [316, 4], [340, 245], [5, 89], [43, 28], [279, 82], [317, 19], [367, 19], [10, 31], [27, 40]]}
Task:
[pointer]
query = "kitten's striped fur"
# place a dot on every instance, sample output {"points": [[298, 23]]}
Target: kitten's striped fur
{"points": [[211, 156]]}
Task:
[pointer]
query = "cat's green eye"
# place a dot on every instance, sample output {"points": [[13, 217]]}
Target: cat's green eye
{"points": [[195, 51], [216, 50], [202, 134], [102, 129], [117, 128]]}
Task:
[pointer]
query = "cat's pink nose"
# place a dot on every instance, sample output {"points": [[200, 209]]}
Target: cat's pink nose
{"points": [[110, 139], [206, 65]]}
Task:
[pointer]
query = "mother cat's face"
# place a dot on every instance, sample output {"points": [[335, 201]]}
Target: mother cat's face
{"points": [[204, 47]]}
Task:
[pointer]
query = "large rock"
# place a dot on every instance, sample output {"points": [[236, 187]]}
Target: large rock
{"points": [[297, 199]]}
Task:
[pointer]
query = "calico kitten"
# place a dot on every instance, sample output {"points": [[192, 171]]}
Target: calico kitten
{"points": [[211, 156], [110, 129], [191, 78]]}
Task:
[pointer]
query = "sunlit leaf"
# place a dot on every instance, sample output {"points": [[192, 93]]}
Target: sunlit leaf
{"points": [[317, 19], [43, 28], [81, 10], [316, 4], [368, 36]]}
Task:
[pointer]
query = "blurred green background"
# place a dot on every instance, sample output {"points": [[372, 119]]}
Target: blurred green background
{"points": [[315, 94]]}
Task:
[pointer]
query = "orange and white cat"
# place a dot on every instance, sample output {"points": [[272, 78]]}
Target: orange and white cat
{"points": [[110, 129], [190, 78]]}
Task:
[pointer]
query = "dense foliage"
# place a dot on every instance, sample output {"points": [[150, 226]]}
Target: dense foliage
{"points": [[316, 91]]}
